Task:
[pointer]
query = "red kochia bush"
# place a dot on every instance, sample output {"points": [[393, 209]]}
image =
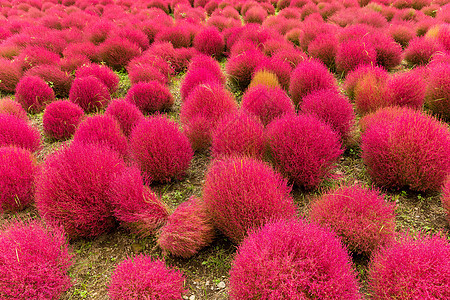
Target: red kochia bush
{"points": [[202, 61], [90, 93], [209, 41], [117, 52], [304, 148], [18, 168], [420, 50], [411, 268], [240, 67], [61, 119], [102, 72], [244, 193], [126, 113], [309, 76], [437, 96], [292, 260], [72, 188], [412, 149], [34, 261], [61, 81], [406, 89], [143, 277], [9, 106], [353, 53], [187, 230], [160, 149], [17, 132], [34, 94], [10, 74], [150, 96], [195, 77], [360, 216]]}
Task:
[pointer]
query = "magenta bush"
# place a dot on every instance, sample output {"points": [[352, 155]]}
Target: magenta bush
{"points": [[209, 41], [188, 229], [282, 69], [195, 77], [117, 52], [202, 61], [179, 36], [9, 106], [389, 53], [309, 76], [34, 94], [292, 260], [437, 95], [144, 277], [406, 89], [244, 193], [361, 216], [412, 149], [17, 132], [90, 93], [10, 74], [102, 72], [324, 47], [145, 72], [34, 261], [61, 119], [353, 53], [240, 68], [32, 56], [61, 81], [126, 113], [420, 50], [160, 149], [414, 267], [354, 78], [402, 34], [72, 189], [150, 96], [304, 148]]}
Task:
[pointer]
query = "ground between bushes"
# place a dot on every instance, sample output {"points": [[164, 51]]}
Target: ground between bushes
{"points": [[207, 272]]}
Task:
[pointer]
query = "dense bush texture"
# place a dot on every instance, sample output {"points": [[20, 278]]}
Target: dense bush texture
{"points": [[18, 169], [104, 73], [406, 89], [209, 41], [292, 260], [150, 96], [188, 229], [9, 106], [360, 216], [72, 189], [445, 197], [17, 132], [243, 193], [90, 93], [34, 94], [160, 149], [61, 118], [126, 113], [437, 95], [143, 277], [303, 148], [411, 150], [34, 261], [411, 268]]}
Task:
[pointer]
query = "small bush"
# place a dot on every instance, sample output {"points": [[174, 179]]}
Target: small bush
{"points": [[353, 53], [17, 132], [202, 61], [89, 93], [209, 41], [188, 229], [244, 193], [437, 95], [264, 77], [304, 148], [143, 277], [33, 56], [117, 52], [292, 260], [61, 119], [240, 68], [127, 114], [59, 80], [420, 50], [145, 73], [282, 70], [150, 97], [402, 34], [179, 36], [160, 149], [10, 74], [102, 72], [355, 77], [370, 91], [324, 47], [34, 261], [411, 268], [195, 77], [11, 107], [34, 94], [406, 89]]}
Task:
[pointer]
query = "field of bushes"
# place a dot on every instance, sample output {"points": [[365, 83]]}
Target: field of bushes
{"points": [[224, 149]]}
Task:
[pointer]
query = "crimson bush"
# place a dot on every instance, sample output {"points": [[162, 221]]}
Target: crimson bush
{"points": [[17, 132], [61, 119], [90, 93], [34, 94], [126, 113]]}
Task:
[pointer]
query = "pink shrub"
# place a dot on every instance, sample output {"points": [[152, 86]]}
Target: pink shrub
{"points": [[145, 73], [412, 150], [17, 132], [309, 76], [136, 206], [33, 56], [160, 149], [333, 108], [150, 96], [420, 50], [354, 77], [98, 31], [117, 52], [353, 53], [293, 57], [34, 261], [304, 148], [60, 81], [202, 110], [188, 229], [102, 72], [9, 106], [361, 216], [72, 189], [238, 135], [292, 260], [202, 61], [402, 34], [406, 89], [255, 14], [10, 74], [240, 68], [280, 68], [389, 53], [34, 94], [90, 93], [370, 90], [195, 77], [324, 48], [126, 113], [61, 119], [178, 36], [412, 268], [437, 95], [244, 193], [144, 277], [209, 41]]}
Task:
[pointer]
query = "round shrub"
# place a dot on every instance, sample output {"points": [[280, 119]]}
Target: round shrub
{"points": [[150, 96], [160, 149], [90, 93], [264, 77], [333, 108], [61, 81], [370, 90], [354, 77], [304, 148], [145, 73], [353, 53], [61, 119], [17, 132], [209, 41], [324, 47], [126, 113], [240, 67], [188, 229], [361, 216], [412, 150], [194, 77], [420, 50], [72, 189], [179, 36], [292, 260], [18, 169], [34, 94], [282, 69], [437, 95], [412, 268], [244, 193], [117, 52], [9, 106], [309, 76], [102, 72], [201, 61], [406, 89], [238, 135], [143, 277], [34, 261], [389, 53]]}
